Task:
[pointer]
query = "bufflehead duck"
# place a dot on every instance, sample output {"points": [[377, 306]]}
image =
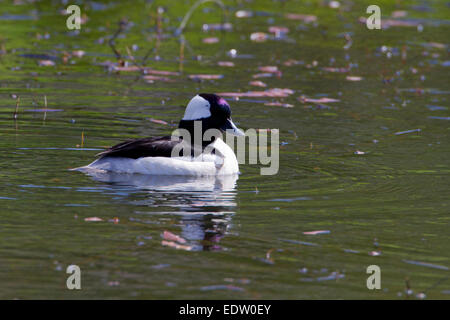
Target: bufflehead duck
{"points": [[154, 156]]}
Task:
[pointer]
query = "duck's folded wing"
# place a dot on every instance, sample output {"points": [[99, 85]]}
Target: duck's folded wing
{"points": [[138, 148]]}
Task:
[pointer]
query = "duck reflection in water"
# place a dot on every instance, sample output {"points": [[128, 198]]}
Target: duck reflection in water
{"points": [[203, 206]]}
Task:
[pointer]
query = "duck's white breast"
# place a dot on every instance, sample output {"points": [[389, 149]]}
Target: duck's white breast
{"points": [[223, 162]]}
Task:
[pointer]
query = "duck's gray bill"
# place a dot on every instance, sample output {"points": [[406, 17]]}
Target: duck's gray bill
{"points": [[230, 127]]}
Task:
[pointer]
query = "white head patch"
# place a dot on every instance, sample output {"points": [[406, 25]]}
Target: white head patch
{"points": [[197, 108]]}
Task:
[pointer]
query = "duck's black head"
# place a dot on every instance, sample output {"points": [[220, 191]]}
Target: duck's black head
{"points": [[213, 111]]}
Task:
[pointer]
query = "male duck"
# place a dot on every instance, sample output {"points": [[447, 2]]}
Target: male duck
{"points": [[154, 156]]}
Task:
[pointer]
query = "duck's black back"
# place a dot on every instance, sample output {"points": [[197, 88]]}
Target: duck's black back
{"points": [[145, 147]]}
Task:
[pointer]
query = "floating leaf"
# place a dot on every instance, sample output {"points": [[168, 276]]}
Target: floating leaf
{"points": [[78, 53], [407, 131], [387, 23], [272, 93], [268, 69], [123, 68], [244, 14], [278, 104], [317, 232], [426, 264], [257, 83], [263, 75], [217, 27], [259, 36], [114, 220], [176, 245], [303, 17], [152, 78], [225, 64], [340, 70], [304, 99], [299, 242], [167, 235], [435, 45], [332, 276], [46, 63], [205, 76], [278, 31], [221, 287], [158, 121], [90, 219], [210, 40], [44, 110], [399, 14], [353, 78], [160, 72], [334, 4], [292, 62]]}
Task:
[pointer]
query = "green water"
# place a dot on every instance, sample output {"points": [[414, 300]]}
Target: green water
{"points": [[342, 169]]}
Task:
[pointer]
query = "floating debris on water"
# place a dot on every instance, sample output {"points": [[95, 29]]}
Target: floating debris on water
{"points": [[258, 83], [407, 131], [307, 18], [93, 219], [176, 245], [435, 108], [439, 118], [217, 27], [78, 53], [292, 62], [269, 69], [303, 270], [278, 104], [240, 281], [167, 235], [211, 40], [160, 266], [304, 99], [317, 232], [351, 251], [259, 36], [263, 75], [222, 287], [421, 296], [299, 242], [158, 121], [44, 110], [337, 70], [205, 76], [244, 14], [46, 63], [264, 260], [332, 276], [273, 93], [225, 64], [353, 78], [279, 32]]}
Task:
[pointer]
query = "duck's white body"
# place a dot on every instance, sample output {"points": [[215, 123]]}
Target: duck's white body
{"points": [[223, 162]]}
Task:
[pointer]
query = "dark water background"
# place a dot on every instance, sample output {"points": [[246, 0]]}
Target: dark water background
{"points": [[346, 167]]}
